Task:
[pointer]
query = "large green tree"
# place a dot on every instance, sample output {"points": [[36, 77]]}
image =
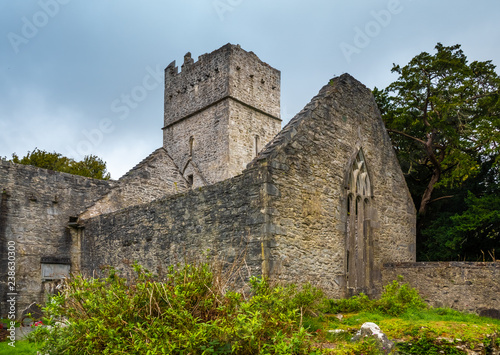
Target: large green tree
{"points": [[91, 165], [443, 115]]}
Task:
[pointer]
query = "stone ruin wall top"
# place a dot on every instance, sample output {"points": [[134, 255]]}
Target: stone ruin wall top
{"points": [[229, 72]]}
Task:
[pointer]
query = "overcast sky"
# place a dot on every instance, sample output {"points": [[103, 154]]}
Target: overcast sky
{"points": [[86, 77]]}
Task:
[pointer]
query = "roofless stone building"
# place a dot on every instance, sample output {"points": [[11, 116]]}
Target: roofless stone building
{"points": [[322, 200]]}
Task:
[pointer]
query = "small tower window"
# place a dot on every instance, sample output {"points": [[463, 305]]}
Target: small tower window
{"points": [[191, 142], [190, 180], [257, 144]]}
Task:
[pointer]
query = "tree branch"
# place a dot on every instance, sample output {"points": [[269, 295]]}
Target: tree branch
{"points": [[441, 198], [406, 135]]}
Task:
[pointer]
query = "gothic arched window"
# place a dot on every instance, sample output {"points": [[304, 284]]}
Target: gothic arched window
{"points": [[359, 253], [359, 181]]}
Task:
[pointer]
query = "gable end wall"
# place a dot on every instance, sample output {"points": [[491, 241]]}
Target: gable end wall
{"points": [[308, 164]]}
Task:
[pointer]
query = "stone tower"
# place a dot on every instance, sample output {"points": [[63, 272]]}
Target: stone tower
{"points": [[219, 112]]}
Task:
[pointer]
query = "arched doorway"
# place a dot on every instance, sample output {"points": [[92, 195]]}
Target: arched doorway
{"points": [[359, 242]]}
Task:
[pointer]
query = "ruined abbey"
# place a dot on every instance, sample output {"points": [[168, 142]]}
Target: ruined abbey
{"points": [[321, 200]]}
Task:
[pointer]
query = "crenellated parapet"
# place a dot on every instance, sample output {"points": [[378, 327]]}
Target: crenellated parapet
{"points": [[219, 111], [229, 72]]}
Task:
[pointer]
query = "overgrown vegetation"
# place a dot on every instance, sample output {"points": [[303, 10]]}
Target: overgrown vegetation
{"points": [[396, 299], [90, 166], [191, 310]]}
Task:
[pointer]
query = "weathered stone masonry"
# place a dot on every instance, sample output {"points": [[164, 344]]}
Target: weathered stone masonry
{"points": [[154, 177], [39, 210], [288, 208], [35, 208], [225, 218], [219, 112], [465, 286], [323, 200], [310, 163]]}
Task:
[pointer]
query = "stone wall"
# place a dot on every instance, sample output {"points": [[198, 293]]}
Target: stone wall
{"points": [[219, 111], [208, 158], [35, 208], [199, 85], [224, 219], [287, 209], [226, 72], [308, 163], [249, 132], [254, 82], [465, 286], [154, 177]]}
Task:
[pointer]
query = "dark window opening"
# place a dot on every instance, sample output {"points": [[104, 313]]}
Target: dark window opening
{"points": [[190, 180], [191, 141]]}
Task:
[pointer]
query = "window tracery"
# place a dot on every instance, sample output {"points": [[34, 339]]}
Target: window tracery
{"points": [[359, 251]]}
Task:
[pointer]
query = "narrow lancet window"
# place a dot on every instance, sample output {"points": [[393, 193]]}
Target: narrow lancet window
{"points": [[257, 145], [191, 142]]}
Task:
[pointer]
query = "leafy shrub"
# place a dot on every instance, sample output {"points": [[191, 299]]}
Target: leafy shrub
{"points": [[398, 298], [356, 303], [189, 311]]}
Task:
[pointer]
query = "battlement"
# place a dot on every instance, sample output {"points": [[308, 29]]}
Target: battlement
{"points": [[219, 112], [226, 73]]}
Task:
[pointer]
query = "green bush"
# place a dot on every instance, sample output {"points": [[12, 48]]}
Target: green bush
{"points": [[356, 303], [187, 312], [398, 298]]}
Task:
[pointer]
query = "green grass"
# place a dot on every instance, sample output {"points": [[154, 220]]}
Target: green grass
{"points": [[403, 317], [424, 331], [447, 314], [22, 347]]}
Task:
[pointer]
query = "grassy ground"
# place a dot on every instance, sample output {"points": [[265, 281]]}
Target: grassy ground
{"points": [[22, 347], [431, 331]]}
